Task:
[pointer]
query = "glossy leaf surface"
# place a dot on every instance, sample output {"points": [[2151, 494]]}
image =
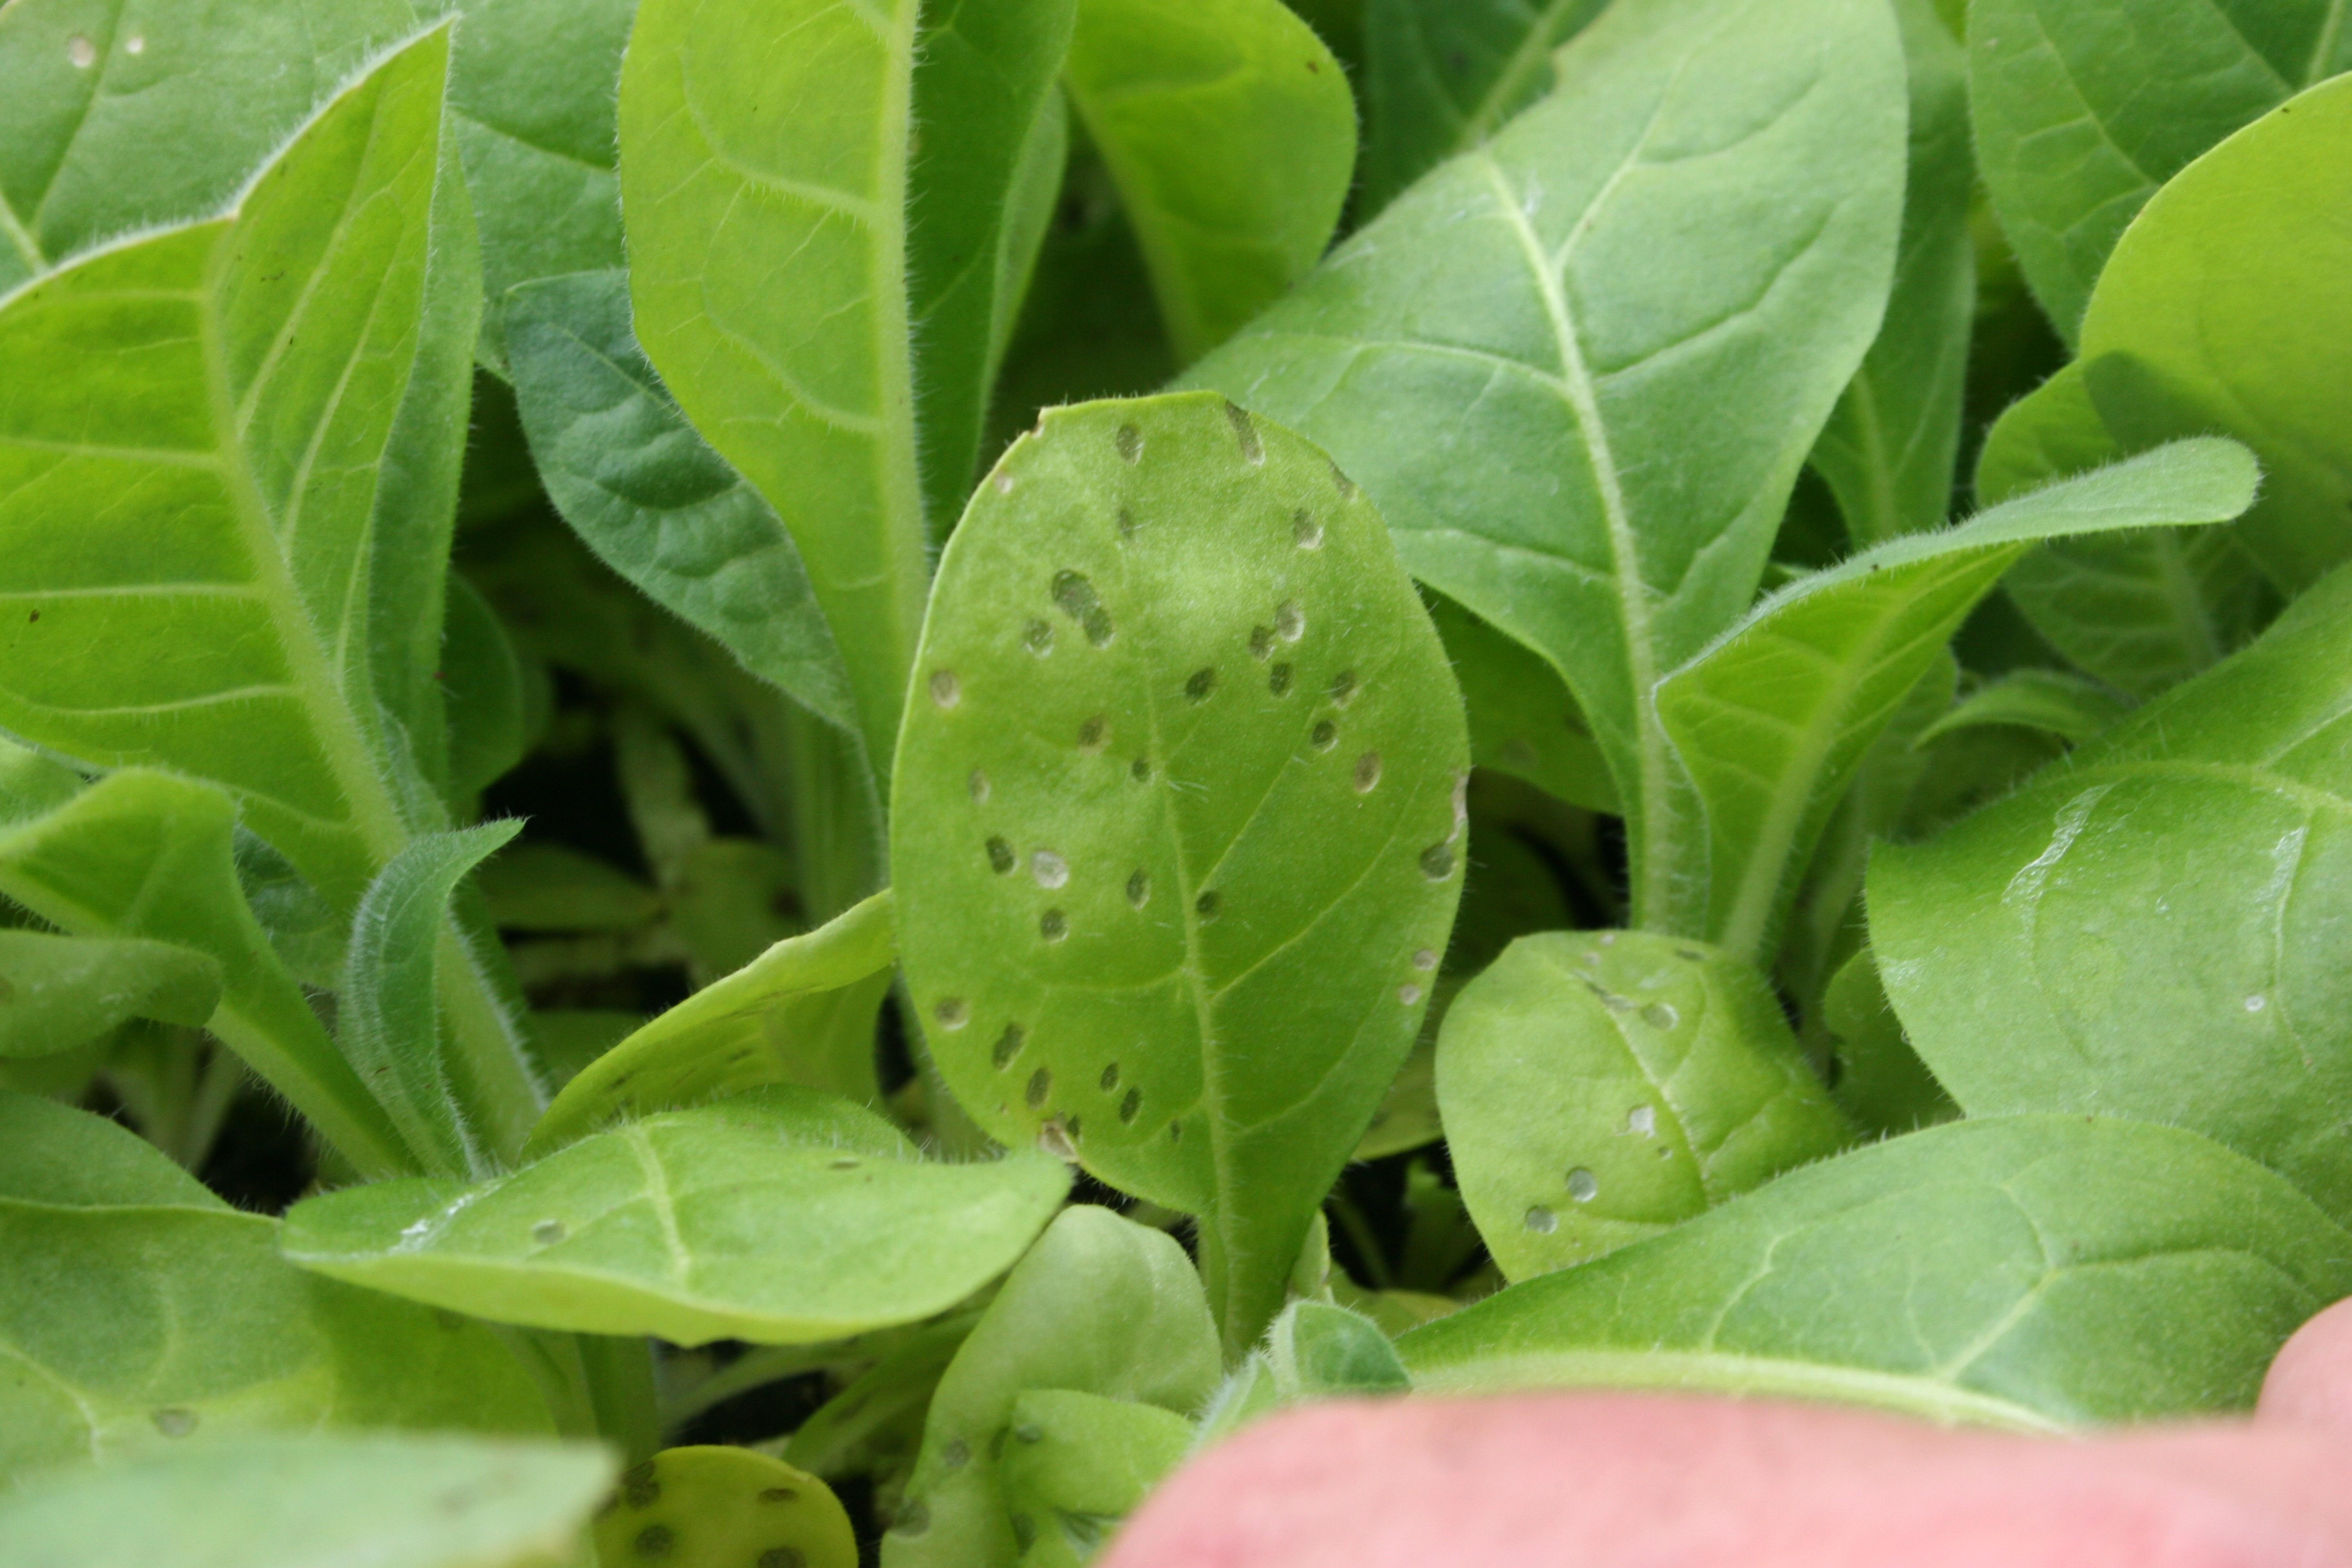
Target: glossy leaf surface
{"points": [[1100, 1306], [139, 1309], [780, 1216], [709, 1504], [1772, 720], [2154, 928], [1976, 1273], [1600, 1087], [2081, 111], [764, 181], [60, 992], [802, 1012], [1177, 836], [1586, 446]]}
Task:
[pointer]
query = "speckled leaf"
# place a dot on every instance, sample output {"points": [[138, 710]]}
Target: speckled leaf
{"points": [[1100, 1306], [714, 1507], [2025, 1271], [1176, 840], [781, 1216], [1230, 135], [296, 1502], [1077, 1463], [2083, 111], [802, 1012], [2155, 927], [1600, 1087], [1581, 422], [60, 992], [138, 1308], [1772, 721]]}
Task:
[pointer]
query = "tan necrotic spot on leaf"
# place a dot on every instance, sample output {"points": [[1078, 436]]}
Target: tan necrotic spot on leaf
{"points": [[1049, 868], [1368, 773], [946, 690]]}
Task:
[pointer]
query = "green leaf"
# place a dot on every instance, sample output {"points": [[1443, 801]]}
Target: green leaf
{"points": [[2224, 309], [60, 992], [31, 783], [2036, 1272], [1523, 721], [548, 887], [2063, 705], [1442, 76], [1586, 445], [488, 729], [801, 1013], [711, 1505], [735, 898], [1100, 1306], [1890, 446], [1230, 135], [146, 854], [995, 136], [1176, 839], [1318, 1350], [2153, 928], [875, 1426], [763, 184], [292, 1502], [1772, 721], [195, 590], [1078, 1465], [2139, 611], [1880, 1080], [651, 499], [781, 1216], [138, 1308], [2083, 111], [1600, 1087], [387, 1022]]}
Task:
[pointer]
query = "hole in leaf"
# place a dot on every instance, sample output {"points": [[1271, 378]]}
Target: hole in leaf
{"points": [[1091, 732], [1289, 621], [639, 1489], [1437, 862], [782, 1557], [1004, 484], [1426, 959], [1325, 735], [1661, 1016], [1261, 643], [1059, 1138], [1052, 925], [1139, 770], [1139, 888], [1368, 773], [1343, 688], [946, 690], [780, 1494], [1110, 1077], [1207, 905], [1691, 954], [1076, 596], [1037, 636], [1583, 1186], [1305, 532], [1245, 433], [547, 1232], [978, 784], [1129, 442], [80, 52], [174, 1420], [1201, 681], [956, 1455], [1126, 523], [1131, 1104], [1041, 1084], [654, 1541], [1346, 486], [914, 1518], [1050, 869], [1277, 681], [1000, 856], [951, 1012], [1408, 994], [1643, 1120], [1008, 1045], [1541, 1220], [1175, 1132]]}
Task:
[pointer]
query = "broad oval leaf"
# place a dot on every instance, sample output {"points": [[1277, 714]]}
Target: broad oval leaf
{"points": [[713, 1505], [2249, 247], [651, 499], [2083, 111], [60, 992], [763, 187], [1177, 836], [1078, 1465], [294, 1502], [1579, 369], [139, 1310], [781, 1216], [1100, 1306], [1600, 1087], [1772, 721], [2154, 928], [802, 1012], [1230, 135], [2032, 1271]]}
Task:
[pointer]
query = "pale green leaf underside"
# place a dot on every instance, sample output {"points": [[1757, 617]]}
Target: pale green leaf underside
{"points": [[780, 1216], [802, 1012], [1973, 1272], [60, 992]]}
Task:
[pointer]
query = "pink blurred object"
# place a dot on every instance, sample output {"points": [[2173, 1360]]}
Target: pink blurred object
{"points": [[1650, 1482]]}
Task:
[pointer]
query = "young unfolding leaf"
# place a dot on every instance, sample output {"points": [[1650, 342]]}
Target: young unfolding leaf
{"points": [[1879, 1080], [60, 992], [2083, 111], [713, 1505], [140, 1308], [295, 1502], [1176, 840], [1974, 1272], [1580, 422], [1231, 133], [483, 693], [1442, 76], [2224, 309], [1077, 1463], [1598, 1087], [1100, 1306], [2154, 928], [781, 1216], [764, 182], [1318, 1351], [2139, 611], [1772, 720], [2052, 701], [192, 587], [149, 855], [651, 499], [801, 1013], [1888, 450]]}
